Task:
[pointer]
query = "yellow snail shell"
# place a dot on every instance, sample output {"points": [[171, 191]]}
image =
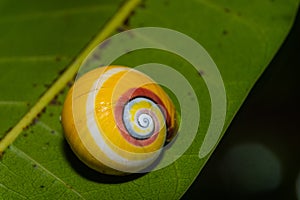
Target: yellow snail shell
{"points": [[116, 120]]}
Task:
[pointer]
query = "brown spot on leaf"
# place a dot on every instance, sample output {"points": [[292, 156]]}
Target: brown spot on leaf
{"points": [[35, 120], [61, 92], [70, 83], [47, 85], [25, 128], [61, 71], [97, 56], [201, 72], [57, 58], [55, 102], [104, 44], [225, 32], [69, 186], [127, 20], [1, 155], [9, 129], [121, 29], [142, 5], [227, 10]]}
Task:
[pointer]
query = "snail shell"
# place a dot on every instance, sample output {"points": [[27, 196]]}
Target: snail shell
{"points": [[117, 120]]}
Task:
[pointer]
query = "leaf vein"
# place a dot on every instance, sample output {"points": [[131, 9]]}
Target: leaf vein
{"points": [[15, 103], [48, 128], [245, 21], [25, 156], [13, 191], [31, 58], [55, 13]]}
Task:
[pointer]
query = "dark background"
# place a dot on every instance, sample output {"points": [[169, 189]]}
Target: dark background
{"points": [[259, 155]]}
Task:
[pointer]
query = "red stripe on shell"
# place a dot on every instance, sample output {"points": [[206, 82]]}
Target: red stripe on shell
{"points": [[118, 111]]}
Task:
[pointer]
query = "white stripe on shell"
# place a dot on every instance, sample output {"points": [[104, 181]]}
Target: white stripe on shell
{"points": [[127, 165]]}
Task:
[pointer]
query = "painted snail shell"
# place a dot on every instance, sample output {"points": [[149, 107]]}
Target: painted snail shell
{"points": [[116, 120]]}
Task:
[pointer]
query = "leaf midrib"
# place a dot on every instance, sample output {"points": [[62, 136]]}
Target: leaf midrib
{"points": [[112, 25]]}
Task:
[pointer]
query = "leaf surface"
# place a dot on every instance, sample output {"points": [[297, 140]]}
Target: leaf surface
{"points": [[41, 39]]}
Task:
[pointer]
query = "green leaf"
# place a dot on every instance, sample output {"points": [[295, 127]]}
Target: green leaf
{"points": [[40, 39]]}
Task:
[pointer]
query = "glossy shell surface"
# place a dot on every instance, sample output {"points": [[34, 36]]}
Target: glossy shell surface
{"points": [[117, 120]]}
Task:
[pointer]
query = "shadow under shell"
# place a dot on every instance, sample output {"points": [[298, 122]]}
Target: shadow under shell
{"points": [[91, 174]]}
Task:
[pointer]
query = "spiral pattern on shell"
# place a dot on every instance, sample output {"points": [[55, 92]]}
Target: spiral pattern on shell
{"points": [[117, 119], [141, 118]]}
